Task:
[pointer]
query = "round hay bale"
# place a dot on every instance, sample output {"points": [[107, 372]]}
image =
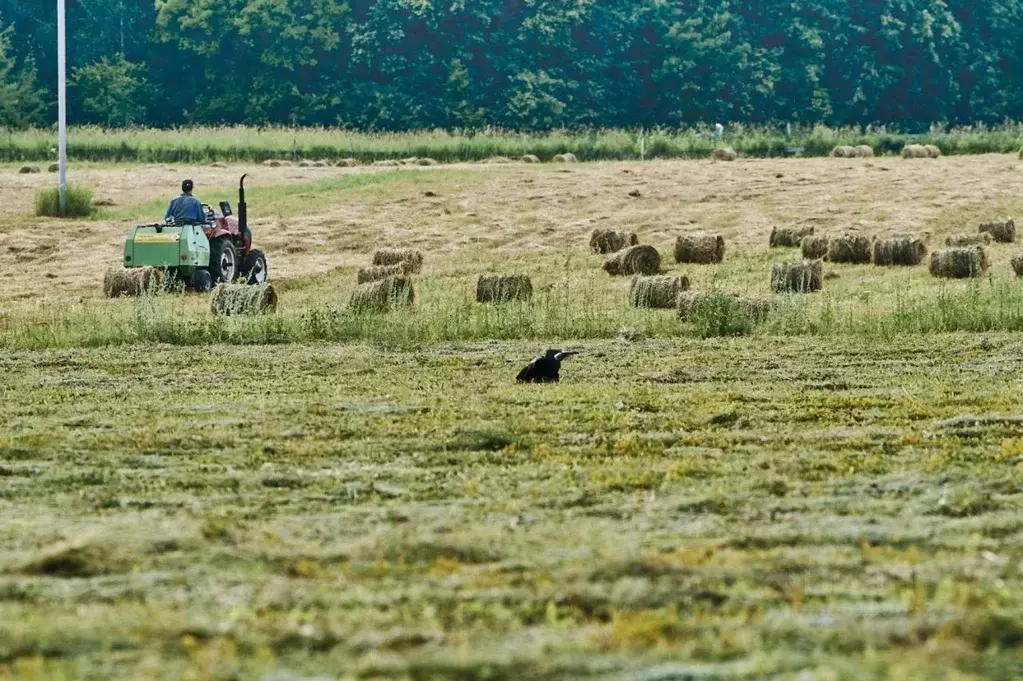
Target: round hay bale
{"points": [[387, 163], [229, 300], [368, 274], [814, 247], [1017, 265], [382, 296], [959, 263], [789, 237], [138, 281], [964, 240], [849, 248], [393, 256], [427, 162], [635, 260], [700, 249], [498, 288], [29, 170], [54, 168], [657, 292], [305, 164], [865, 151], [565, 158], [272, 163], [1002, 232], [914, 151], [906, 250], [530, 158], [692, 303], [609, 241], [496, 160], [843, 151], [724, 154], [348, 163], [932, 151], [801, 277]]}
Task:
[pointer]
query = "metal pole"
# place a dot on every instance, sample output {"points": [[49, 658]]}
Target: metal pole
{"points": [[62, 101]]}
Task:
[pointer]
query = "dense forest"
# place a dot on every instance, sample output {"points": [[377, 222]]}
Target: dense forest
{"points": [[518, 64]]}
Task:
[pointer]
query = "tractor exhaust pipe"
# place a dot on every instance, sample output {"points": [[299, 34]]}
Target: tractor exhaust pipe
{"points": [[243, 209]]}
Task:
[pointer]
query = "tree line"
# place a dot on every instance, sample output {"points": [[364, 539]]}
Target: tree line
{"points": [[516, 64]]}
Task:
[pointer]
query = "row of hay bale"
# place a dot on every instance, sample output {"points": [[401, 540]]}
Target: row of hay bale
{"points": [[673, 293], [921, 151], [388, 283], [860, 151], [628, 257]]}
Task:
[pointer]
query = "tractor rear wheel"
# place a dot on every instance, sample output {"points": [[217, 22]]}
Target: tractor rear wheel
{"points": [[254, 267], [223, 260]]}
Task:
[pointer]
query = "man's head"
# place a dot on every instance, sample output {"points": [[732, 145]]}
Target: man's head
{"points": [[187, 186]]}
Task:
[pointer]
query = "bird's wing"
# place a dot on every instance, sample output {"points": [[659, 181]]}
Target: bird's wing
{"points": [[565, 353], [528, 373]]}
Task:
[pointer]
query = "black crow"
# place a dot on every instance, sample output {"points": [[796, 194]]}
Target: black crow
{"points": [[546, 368]]}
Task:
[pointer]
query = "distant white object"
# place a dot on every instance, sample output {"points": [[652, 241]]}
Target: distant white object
{"points": [[719, 130]]}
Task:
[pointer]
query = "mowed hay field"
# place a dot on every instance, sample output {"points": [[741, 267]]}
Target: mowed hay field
{"points": [[836, 494]]}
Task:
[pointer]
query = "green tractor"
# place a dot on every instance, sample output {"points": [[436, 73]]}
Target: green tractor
{"points": [[200, 254]]}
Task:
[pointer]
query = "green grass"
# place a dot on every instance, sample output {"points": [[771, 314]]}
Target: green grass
{"points": [[742, 508], [197, 145], [448, 313], [78, 202]]}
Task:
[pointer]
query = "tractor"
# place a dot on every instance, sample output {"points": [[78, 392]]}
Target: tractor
{"points": [[200, 254]]}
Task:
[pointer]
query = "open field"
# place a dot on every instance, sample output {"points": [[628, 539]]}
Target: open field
{"points": [[836, 495]]}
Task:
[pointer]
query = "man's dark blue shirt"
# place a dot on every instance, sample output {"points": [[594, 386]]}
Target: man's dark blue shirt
{"points": [[184, 208]]}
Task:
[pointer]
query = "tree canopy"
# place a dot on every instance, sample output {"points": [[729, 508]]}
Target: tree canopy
{"points": [[521, 64]]}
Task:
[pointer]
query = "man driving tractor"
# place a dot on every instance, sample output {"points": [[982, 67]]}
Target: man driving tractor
{"points": [[186, 208]]}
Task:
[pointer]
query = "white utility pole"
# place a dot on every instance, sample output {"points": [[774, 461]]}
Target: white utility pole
{"points": [[62, 101]]}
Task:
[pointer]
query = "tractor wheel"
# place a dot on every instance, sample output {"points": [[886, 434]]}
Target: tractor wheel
{"points": [[223, 260], [254, 268], [202, 281]]}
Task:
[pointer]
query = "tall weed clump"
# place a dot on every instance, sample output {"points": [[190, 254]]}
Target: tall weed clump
{"points": [[79, 202]]}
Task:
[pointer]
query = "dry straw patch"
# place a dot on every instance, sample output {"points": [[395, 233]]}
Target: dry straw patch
{"points": [[698, 249], [959, 263], [658, 292], [395, 256], [138, 281], [803, 277], [500, 288], [635, 260], [899, 251], [1002, 232], [852, 249], [606, 241], [789, 237], [241, 299]]}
